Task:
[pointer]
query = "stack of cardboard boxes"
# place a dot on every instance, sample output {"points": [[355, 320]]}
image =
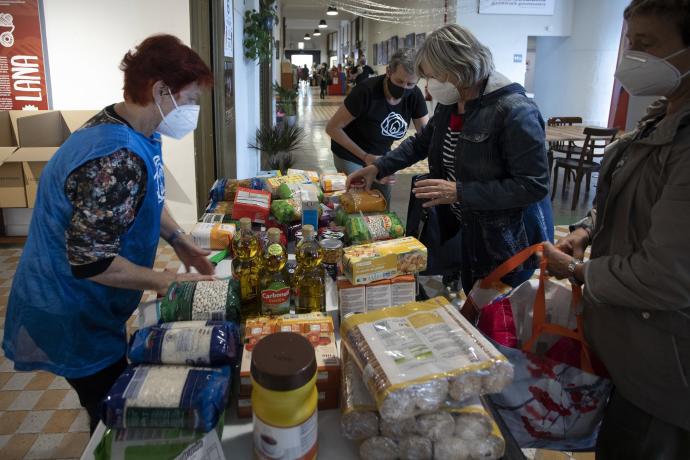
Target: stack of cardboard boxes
{"points": [[28, 140]]}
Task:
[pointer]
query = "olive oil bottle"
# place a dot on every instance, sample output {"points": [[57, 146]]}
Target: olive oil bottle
{"points": [[311, 282], [246, 266], [275, 281]]}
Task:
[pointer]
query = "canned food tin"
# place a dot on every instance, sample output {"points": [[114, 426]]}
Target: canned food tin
{"points": [[332, 254]]}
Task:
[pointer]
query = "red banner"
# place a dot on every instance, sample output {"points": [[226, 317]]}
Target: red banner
{"points": [[22, 70]]}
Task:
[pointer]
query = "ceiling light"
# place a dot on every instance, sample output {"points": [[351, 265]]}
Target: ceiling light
{"points": [[322, 24], [307, 37], [332, 11], [317, 33]]}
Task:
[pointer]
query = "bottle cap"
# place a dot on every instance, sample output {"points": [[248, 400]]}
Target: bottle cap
{"points": [[307, 231], [245, 223], [274, 235], [283, 361]]}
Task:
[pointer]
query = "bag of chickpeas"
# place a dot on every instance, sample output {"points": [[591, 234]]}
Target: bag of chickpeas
{"points": [[216, 300]]}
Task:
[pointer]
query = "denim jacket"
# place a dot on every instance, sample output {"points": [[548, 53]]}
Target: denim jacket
{"points": [[502, 172]]}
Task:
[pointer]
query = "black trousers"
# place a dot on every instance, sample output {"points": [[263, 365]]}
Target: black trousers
{"points": [[93, 389], [629, 433]]}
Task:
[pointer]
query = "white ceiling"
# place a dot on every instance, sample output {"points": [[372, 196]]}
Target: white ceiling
{"points": [[310, 9]]}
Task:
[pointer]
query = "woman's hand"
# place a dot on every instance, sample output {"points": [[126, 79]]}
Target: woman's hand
{"points": [[437, 191], [369, 159], [558, 263], [575, 243], [362, 178], [192, 255]]}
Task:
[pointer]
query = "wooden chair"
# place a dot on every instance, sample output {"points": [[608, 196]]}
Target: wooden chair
{"points": [[561, 146], [584, 163]]}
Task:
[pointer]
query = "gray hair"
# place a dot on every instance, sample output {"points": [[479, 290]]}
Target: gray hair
{"points": [[454, 49], [404, 57]]}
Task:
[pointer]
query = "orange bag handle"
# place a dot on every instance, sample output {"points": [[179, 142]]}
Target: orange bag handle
{"points": [[539, 324]]}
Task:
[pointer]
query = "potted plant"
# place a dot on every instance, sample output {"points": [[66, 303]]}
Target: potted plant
{"points": [[287, 103], [258, 31], [278, 142]]}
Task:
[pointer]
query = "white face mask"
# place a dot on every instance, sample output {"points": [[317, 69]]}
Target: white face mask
{"points": [[642, 74], [181, 121], [445, 93]]}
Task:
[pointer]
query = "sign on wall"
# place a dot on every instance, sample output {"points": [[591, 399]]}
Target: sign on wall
{"points": [[537, 7], [22, 69], [229, 26]]}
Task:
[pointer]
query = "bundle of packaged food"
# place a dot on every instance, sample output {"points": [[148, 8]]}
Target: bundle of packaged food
{"points": [[312, 175], [254, 204], [420, 354], [355, 201], [215, 236], [216, 300], [273, 184], [334, 182], [150, 396], [220, 207], [456, 431], [318, 328], [299, 190], [194, 343], [366, 263], [367, 228], [149, 443]]}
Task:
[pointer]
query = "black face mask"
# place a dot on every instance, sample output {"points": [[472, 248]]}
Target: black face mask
{"points": [[397, 91]]}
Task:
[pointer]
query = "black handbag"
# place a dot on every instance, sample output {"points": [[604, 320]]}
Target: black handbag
{"points": [[444, 257]]}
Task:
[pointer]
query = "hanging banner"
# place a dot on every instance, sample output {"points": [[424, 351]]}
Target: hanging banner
{"points": [[22, 70], [537, 7]]}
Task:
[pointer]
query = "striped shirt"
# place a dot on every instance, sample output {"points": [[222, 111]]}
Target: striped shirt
{"points": [[448, 155]]}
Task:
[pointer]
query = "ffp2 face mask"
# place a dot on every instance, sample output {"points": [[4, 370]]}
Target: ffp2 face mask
{"points": [[642, 74]]}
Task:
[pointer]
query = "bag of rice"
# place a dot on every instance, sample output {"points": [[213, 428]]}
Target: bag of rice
{"points": [[360, 228], [193, 343], [355, 201], [415, 354], [147, 396], [216, 300]]}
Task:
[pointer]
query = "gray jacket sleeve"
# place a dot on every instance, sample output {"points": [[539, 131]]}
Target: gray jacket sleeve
{"points": [[657, 276]]}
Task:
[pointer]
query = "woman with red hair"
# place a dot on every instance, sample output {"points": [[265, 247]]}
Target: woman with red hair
{"points": [[99, 214]]}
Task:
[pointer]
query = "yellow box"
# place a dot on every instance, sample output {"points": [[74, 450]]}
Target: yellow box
{"points": [[273, 183], [367, 263]]}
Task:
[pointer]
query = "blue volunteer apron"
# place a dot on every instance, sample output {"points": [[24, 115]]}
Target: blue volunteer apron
{"points": [[56, 322]]}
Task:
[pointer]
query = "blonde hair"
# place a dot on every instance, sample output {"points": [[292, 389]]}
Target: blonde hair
{"points": [[454, 49]]}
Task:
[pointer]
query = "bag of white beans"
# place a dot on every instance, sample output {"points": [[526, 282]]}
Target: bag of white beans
{"points": [[216, 300]]}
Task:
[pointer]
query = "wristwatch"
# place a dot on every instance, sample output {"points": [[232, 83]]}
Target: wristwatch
{"points": [[572, 266], [175, 236]]}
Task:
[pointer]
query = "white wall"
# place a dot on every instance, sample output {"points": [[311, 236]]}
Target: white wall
{"points": [[574, 75], [506, 35], [246, 97], [86, 40]]}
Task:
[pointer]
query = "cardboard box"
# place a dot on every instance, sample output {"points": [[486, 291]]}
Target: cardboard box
{"points": [[351, 299], [373, 296], [366, 263], [403, 290], [35, 137], [328, 399], [378, 295], [317, 327]]}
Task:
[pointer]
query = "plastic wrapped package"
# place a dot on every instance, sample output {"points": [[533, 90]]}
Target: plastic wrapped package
{"points": [[359, 419], [452, 449], [274, 183], [408, 353], [379, 448], [286, 211], [360, 228], [184, 397], [220, 207], [355, 201], [194, 343], [399, 429], [436, 426], [416, 448], [312, 175], [216, 300], [286, 191]]}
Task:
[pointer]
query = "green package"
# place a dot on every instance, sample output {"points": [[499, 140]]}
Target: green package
{"points": [[178, 303], [286, 211], [367, 228]]}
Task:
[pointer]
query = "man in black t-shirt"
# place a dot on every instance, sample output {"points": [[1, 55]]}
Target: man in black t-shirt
{"points": [[363, 71], [375, 114]]}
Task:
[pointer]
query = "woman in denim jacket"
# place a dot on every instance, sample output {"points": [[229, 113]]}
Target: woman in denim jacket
{"points": [[487, 157]]}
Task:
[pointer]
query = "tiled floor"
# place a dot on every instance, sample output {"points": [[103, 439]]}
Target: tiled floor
{"points": [[40, 415]]}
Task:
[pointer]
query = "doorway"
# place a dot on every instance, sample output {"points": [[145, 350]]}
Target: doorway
{"points": [[301, 59]]}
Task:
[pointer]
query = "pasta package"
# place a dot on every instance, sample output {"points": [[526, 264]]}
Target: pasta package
{"points": [[193, 343], [312, 175], [355, 201], [366, 263], [273, 183], [149, 396], [360, 228], [334, 182], [412, 355], [217, 236], [216, 300]]}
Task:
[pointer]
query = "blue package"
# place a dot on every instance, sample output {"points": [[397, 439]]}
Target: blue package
{"points": [[151, 396], [194, 343]]}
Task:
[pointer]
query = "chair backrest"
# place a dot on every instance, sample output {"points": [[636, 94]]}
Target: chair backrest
{"points": [[563, 121], [596, 141]]}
